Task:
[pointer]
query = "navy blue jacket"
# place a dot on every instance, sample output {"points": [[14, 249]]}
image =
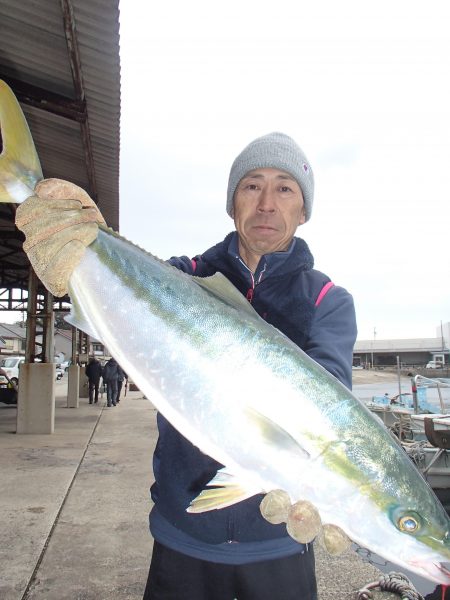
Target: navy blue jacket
{"points": [[284, 291], [94, 371]]}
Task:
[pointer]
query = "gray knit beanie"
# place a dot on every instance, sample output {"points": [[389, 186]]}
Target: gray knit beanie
{"points": [[276, 151]]}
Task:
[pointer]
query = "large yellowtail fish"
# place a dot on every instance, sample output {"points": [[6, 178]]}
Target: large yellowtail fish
{"points": [[243, 392]]}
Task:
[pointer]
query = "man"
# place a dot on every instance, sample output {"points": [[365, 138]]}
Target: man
{"points": [[234, 552], [93, 373], [110, 377]]}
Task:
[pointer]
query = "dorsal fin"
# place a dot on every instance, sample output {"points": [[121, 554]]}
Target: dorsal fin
{"points": [[218, 285], [20, 169]]}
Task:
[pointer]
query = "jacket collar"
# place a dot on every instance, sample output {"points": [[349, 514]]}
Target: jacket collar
{"points": [[225, 257]]}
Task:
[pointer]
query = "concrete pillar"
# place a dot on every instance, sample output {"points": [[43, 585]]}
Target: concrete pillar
{"points": [[36, 402], [84, 387], [73, 386]]}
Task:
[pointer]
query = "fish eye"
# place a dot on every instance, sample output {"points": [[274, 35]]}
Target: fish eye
{"points": [[408, 523], [407, 520]]}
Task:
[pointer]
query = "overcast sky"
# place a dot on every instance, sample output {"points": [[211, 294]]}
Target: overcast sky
{"points": [[364, 89]]}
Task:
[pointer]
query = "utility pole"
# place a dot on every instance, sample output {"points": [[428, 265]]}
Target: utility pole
{"points": [[374, 336]]}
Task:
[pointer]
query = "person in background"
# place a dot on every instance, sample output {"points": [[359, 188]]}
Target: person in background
{"points": [[93, 373], [231, 553], [111, 377], [121, 378]]}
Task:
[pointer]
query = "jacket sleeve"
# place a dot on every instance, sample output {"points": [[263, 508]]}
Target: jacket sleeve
{"points": [[333, 334]]}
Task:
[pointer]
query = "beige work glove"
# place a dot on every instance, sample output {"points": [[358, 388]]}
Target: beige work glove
{"points": [[303, 522], [59, 222]]}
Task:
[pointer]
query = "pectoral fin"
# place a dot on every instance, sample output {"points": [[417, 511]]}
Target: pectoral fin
{"points": [[274, 434]]}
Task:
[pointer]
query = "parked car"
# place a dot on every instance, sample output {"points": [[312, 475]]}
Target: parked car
{"points": [[65, 365], [434, 364], [10, 366], [61, 369], [8, 391]]}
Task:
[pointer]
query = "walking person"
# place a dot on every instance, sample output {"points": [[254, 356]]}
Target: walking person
{"points": [[111, 377], [93, 373]]}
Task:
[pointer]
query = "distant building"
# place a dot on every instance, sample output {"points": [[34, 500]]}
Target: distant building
{"points": [[63, 344], [12, 342], [411, 352], [13, 337]]}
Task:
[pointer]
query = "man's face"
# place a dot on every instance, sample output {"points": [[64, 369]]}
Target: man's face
{"points": [[268, 208]]}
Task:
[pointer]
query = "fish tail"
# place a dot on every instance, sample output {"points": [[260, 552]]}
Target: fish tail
{"points": [[20, 169]]}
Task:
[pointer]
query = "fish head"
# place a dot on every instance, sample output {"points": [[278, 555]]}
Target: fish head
{"points": [[426, 540], [415, 535], [380, 499]]}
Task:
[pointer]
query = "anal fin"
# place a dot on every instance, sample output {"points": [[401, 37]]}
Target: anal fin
{"points": [[230, 490]]}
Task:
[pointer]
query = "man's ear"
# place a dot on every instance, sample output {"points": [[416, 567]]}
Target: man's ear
{"points": [[302, 219]]}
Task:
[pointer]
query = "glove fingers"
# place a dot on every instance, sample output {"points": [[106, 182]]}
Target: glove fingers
{"points": [[61, 223], [59, 189], [34, 208], [303, 522], [334, 540], [44, 253], [275, 506]]}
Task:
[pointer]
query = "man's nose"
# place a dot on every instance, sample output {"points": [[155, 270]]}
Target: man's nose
{"points": [[266, 201]]}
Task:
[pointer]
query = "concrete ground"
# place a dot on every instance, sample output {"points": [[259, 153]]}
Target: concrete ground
{"points": [[74, 508]]}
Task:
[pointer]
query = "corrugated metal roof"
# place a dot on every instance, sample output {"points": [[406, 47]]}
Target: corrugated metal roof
{"points": [[61, 58]]}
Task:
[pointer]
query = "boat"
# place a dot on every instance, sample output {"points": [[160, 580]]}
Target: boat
{"points": [[432, 455], [422, 430], [396, 412], [417, 424]]}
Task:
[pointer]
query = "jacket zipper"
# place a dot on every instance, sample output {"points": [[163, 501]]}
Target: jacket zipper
{"points": [[250, 292]]}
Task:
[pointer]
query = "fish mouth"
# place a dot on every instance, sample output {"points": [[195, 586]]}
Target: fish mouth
{"points": [[444, 569], [438, 572]]}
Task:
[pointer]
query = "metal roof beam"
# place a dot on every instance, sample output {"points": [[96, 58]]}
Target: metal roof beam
{"points": [[32, 95], [77, 76]]}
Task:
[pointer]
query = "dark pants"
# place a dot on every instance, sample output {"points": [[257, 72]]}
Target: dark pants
{"points": [[119, 389], [111, 392], [93, 387], [175, 576]]}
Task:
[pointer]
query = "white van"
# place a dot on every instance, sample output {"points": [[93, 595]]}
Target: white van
{"points": [[434, 364], [10, 365]]}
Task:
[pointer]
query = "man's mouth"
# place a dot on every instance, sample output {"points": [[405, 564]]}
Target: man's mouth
{"points": [[264, 227]]}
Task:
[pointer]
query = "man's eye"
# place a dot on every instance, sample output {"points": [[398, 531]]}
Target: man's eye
{"points": [[285, 188]]}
